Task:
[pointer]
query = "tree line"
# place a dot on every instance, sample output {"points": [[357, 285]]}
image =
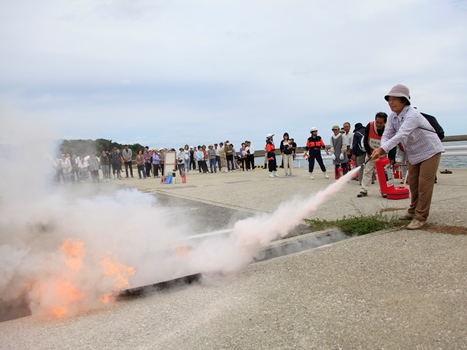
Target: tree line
{"points": [[85, 147]]}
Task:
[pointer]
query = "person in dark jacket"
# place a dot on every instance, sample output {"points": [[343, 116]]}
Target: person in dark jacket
{"points": [[271, 155], [358, 148], [314, 145]]}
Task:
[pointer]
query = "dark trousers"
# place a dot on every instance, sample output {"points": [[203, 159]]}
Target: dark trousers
{"points": [[243, 161], [116, 168], [202, 166], [141, 171], [250, 161], [130, 165], [218, 161], [147, 165], [272, 165], [155, 169], [230, 163], [315, 155], [192, 163]]}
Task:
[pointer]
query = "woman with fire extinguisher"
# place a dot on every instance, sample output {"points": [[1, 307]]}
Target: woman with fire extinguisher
{"points": [[271, 155], [423, 148]]}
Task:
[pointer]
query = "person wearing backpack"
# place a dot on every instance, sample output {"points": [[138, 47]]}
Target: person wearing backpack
{"points": [[358, 149], [423, 148]]}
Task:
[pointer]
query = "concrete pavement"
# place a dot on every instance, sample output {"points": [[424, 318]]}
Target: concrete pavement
{"points": [[387, 290]]}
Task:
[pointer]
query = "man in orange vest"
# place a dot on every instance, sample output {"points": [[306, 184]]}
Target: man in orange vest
{"points": [[372, 140]]}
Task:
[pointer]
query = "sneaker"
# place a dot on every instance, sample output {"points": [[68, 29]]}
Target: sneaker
{"points": [[311, 177], [415, 225], [362, 194], [326, 176], [406, 216], [276, 175], [271, 175]]}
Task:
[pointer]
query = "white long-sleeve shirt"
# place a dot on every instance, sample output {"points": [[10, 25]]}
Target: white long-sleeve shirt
{"points": [[414, 132]]}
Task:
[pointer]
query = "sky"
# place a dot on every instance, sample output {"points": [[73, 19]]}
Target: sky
{"points": [[166, 73]]}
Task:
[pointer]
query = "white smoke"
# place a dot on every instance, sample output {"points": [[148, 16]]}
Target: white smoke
{"points": [[125, 228]]}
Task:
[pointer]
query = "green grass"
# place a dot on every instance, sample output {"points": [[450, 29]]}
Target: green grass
{"points": [[357, 225]]}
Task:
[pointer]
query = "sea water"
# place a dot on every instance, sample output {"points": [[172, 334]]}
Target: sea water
{"points": [[446, 161]]}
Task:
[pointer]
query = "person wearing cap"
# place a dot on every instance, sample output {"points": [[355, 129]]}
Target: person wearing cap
{"points": [[287, 154], [339, 152], [423, 150], [212, 159], [314, 145], [181, 161], [271, 155], [358, 149]]}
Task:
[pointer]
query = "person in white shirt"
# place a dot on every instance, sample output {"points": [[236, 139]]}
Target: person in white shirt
{"points": [[250, 156], [348, 141]]}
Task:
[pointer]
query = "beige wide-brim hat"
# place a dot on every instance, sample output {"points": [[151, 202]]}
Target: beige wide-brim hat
{"points": [[399, 90]]}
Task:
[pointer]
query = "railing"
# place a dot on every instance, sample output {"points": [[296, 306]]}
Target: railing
{"points": [[449, 152]]}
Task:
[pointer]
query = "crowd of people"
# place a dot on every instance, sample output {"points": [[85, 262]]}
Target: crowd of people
{"points": [[408, 140]]}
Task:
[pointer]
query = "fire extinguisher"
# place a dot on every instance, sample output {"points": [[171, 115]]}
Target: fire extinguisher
{"points": [[385, 175]]}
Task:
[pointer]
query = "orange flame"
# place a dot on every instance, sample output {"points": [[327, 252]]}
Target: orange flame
{"points": [[119, 271], [75, 253]]}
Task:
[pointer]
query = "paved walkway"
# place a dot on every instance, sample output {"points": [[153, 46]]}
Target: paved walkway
{"points": [[387, 290]]}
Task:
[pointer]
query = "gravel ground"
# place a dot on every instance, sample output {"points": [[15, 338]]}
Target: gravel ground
{"points": [[393, 290]]}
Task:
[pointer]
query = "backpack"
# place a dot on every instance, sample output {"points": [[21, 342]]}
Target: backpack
{"points": [[434, 123]]}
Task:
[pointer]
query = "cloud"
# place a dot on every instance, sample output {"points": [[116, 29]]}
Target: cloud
{"points": [[253, 67]]}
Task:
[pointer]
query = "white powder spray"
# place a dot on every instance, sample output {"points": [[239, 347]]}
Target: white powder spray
{"points": [[63, 253]]}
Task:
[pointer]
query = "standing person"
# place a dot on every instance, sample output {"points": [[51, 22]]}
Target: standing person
{"points": [[140, 164], [294, 147], [223, 158], [228, 149], [287, 154], [116, 163], [192, 158], [156, 162], [348, 141], [423, 150], [212, 159], [338, 151], [371, 140], [94, 167], [105, 165], [271, 155], [358, 149], [314, 145], [243, 155], [218, 156], [83, 169], [74, 168], [162, 161], [200, 157], [186, 158], [127, 155], [181, 161], [250, 156], [147, 161]]}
